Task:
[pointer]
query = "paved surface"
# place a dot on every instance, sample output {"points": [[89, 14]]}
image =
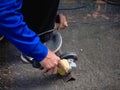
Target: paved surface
{"points": [[94, 37]]}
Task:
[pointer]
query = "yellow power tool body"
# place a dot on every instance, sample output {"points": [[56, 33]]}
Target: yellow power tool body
{"points": [[60, 71]]}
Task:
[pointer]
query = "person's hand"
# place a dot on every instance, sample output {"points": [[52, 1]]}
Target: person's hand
{"points": [[51, 62], [62, 22]]}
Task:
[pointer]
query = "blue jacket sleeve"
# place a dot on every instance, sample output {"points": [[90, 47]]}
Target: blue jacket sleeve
{"points": [[17, 32]]}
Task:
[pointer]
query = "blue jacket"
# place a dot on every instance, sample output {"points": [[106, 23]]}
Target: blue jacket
{"points": [[17, 32]]}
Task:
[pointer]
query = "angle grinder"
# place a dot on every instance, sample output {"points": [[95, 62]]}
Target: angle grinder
{"points": [[68, 59]]}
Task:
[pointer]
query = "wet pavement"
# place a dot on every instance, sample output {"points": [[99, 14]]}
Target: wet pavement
{"points": [[93, 33]]}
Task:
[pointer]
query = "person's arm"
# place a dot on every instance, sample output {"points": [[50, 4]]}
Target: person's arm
{"points": [[17, 32], [13, 27]]}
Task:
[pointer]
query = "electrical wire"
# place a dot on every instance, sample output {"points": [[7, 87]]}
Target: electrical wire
{"points": [[73, 8], [112, 3], [98, 23]]}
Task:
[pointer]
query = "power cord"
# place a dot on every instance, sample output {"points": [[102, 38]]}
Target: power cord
{"points": [[73, 8]]}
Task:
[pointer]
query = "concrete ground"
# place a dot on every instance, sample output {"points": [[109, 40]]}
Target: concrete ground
{"points": [[94, 36]]}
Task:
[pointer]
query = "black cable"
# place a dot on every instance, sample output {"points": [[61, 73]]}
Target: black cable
{"points": [[73, 8], [112, 2], [99, 23]]}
